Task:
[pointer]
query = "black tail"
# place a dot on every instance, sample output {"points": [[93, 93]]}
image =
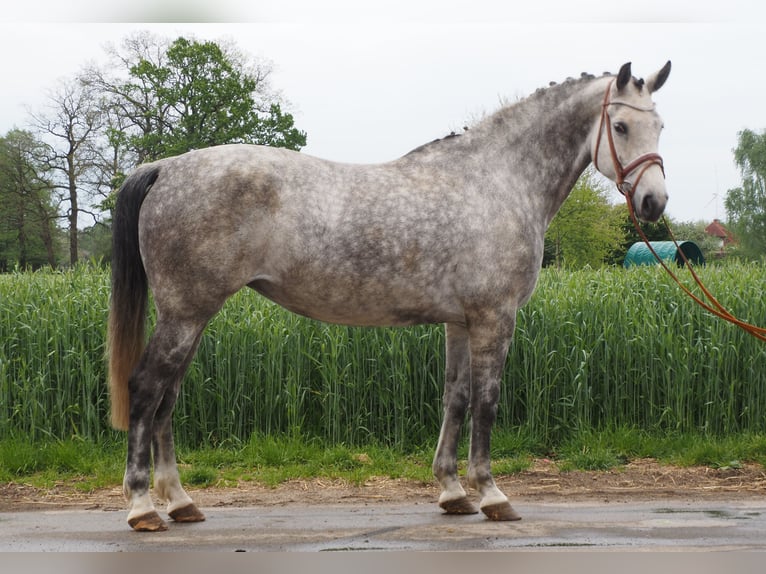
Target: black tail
{"points": [[127, 313]]}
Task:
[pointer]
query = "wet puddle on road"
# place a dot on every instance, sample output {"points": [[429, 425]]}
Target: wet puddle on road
{"points": [[711, 513]]}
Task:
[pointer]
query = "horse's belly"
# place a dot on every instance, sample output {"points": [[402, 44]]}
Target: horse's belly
{"points": [[355, 308]]}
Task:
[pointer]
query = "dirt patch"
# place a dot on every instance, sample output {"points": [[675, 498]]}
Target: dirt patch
{"points": [[637, 480]]}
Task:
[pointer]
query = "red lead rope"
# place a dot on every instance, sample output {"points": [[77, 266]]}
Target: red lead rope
{"points": [[715, 307]]}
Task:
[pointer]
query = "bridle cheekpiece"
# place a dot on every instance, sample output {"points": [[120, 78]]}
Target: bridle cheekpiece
{"points": [[644, 161]]}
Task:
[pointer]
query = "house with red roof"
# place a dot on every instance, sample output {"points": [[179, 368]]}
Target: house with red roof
{"points": [[725, 237]]}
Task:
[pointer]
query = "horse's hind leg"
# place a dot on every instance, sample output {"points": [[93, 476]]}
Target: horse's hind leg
{"points": [[153, 389], [453, 498], [167, 483], [490, 338]]}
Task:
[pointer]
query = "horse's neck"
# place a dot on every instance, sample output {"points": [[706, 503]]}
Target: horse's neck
{"points": [[546, 140]]}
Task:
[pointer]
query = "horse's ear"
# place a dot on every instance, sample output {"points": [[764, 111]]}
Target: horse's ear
{"points": [[624, 76], [657, 79]]}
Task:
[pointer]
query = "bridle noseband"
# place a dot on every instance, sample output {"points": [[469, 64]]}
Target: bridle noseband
{"points": [[647, 160]]}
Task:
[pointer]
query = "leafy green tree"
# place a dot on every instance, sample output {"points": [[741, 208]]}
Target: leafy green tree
{"points": [[586, 229], [96, 243], [189, 95], [746, 205], [131, 101], [276, 130], [161, 98], [28, 232]]}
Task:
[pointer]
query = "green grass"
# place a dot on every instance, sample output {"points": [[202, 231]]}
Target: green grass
{"points": [[264, 459], [271, 460], [45, 463], [52, 372], [589, 450]]}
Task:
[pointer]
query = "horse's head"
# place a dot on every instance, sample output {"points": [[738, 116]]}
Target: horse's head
{"points": [[624, 146]]}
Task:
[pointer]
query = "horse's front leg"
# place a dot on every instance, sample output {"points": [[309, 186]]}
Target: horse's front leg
{"points": [[489, 343], [453, 498]]}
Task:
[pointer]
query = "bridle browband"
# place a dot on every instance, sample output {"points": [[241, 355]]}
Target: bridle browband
{"points": [[621, 172]]}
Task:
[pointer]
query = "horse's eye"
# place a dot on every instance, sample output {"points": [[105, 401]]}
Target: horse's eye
{"points": [[621, 128]]}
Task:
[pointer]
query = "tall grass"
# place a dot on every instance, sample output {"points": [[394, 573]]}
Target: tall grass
{"points": [[593, 349], [52, 372], [614, 347]]}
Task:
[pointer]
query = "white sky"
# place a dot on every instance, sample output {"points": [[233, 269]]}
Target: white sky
{"points": [[370, 81]]}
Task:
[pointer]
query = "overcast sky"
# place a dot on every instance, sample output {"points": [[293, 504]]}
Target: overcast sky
{"points": [[370, 81]]}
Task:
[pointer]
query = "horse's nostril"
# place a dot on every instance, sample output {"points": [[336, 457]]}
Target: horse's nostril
{"points": [[647, 205], [651, 209]]}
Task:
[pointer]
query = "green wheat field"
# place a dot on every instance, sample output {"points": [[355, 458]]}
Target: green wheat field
{"points": [[593, 350]]}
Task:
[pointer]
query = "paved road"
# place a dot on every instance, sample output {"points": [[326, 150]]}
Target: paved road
{"points": [[662, 525]]}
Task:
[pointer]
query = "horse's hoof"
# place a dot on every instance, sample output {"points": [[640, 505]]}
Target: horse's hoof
{"points": [[149, 522], [502, 511], [188, 513], [458, 506]]}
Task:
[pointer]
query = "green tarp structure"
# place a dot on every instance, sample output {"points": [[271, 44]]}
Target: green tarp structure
{"points": [[639, 253]]}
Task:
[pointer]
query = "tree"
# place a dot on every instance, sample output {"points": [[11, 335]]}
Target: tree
{"points": [[746, 205], [586, 228], [72, 123], [159, 98], [189, 95], [276, 130], [27, 214], [211, 102], [131, 101]]}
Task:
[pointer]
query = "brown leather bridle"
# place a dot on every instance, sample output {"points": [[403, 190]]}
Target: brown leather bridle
{"points": [[644, 161]]}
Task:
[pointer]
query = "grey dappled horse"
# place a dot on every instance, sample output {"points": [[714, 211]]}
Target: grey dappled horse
{"points": [[450, 233]]}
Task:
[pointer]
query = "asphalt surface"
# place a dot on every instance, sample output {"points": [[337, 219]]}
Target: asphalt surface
{"points": [[660, 525]]}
